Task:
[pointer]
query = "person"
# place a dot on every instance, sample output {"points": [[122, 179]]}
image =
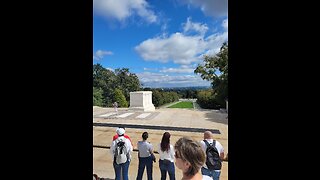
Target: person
{"points": [[190, 158], [145, 153], [166, 157], [122, 167], [115, 105], [125, 135], [207, 136]]}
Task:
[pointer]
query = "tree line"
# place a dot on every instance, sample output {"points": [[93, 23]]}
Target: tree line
{"points": [[115, 86]]}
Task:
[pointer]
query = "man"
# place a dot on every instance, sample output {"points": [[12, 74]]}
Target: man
{"points": [[121, 169], [115, 105], [205, 170]]}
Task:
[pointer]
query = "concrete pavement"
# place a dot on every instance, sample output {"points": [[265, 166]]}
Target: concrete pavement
{"points": [[184, 118]]}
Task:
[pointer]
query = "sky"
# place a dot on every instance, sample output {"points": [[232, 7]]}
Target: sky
{"points": [[161, 41]]}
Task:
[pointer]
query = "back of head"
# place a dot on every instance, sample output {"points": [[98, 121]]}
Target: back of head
{"points": [[120, 131], [207, 135], [145, 135], [165, 141], [190, 150]]}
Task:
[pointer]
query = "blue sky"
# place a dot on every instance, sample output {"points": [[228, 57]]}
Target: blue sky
{"points": [[161, 41]]}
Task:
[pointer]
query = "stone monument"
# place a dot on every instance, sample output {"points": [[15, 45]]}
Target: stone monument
{"points": [[141, 100]]}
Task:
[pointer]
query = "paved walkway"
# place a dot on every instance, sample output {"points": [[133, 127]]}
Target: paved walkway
{"points": [[164, 117]]}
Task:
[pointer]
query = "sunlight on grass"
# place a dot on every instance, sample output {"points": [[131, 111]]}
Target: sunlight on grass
{"points": [[182, 105]]}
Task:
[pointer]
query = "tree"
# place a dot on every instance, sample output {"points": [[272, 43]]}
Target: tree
{"points": [[105, 80], [119, 98], [215, 69], [127, 82], [98, 99]]}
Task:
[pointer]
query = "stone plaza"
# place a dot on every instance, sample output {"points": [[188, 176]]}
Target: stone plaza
{"points": [[139, 120]]}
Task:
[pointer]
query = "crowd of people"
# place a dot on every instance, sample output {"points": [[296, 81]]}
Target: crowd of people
{"points": [[195, 159]]}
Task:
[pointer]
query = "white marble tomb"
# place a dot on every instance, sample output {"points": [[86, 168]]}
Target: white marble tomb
{"points": [[141, 100]]}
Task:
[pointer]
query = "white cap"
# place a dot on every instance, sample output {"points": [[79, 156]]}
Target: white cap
{"points": [[120, 131]]}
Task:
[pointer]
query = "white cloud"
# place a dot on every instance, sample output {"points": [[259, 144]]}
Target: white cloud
{"points": [[225, 24], [150, 69], [123, 9], [213, 8], [100, 54], [215, 42], [197, 27], [181, 69], [180, 48], [110, 69], [163, 80]]}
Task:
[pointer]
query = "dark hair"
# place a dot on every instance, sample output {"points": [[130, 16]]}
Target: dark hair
{"points": [[190, 150], [165, 142], [122, 127], [145, 135]]}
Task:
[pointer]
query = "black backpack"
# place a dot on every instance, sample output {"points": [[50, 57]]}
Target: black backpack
{"points": [[213, 160]]}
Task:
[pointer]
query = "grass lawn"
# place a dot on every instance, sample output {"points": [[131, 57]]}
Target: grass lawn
{"points": [[182, 105]]}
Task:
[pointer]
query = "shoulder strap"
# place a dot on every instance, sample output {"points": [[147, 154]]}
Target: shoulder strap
{"points": [[214, 143], [207, 143]]}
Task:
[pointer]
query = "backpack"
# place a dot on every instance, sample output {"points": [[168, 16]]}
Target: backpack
{"points": [[213, 160], [120, 156]]}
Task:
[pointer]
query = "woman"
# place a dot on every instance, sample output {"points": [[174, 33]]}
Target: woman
{"points": [[145, 152], [166, 157], [190, 158]]}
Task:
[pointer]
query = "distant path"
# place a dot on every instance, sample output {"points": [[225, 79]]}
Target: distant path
{"points": [[168, 105], [196, 106], [201, 130]]}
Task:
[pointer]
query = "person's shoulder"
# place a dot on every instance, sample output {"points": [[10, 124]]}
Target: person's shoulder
{"points": [[149, 144], [126, 136], [217, 142], [205, 177]]}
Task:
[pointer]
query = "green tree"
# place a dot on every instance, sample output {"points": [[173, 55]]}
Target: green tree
{"points": [[119, 98], [215, 69], [127, 82], [106, 80], [98, 99]]}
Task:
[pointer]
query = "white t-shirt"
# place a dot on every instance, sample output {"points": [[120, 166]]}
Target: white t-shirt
{"points": [[204, 177], [166, 154], [210, 141]]}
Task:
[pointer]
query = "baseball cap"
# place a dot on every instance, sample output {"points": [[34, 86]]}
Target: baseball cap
{"points": [[120, 131]]}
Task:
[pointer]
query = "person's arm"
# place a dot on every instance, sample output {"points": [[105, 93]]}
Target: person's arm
{"points": [[151, 152], [151, 148], [129, 145], [112, 148], [128, 137], [222, 155], [203, 146], [219, 146], [172, 153]]}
